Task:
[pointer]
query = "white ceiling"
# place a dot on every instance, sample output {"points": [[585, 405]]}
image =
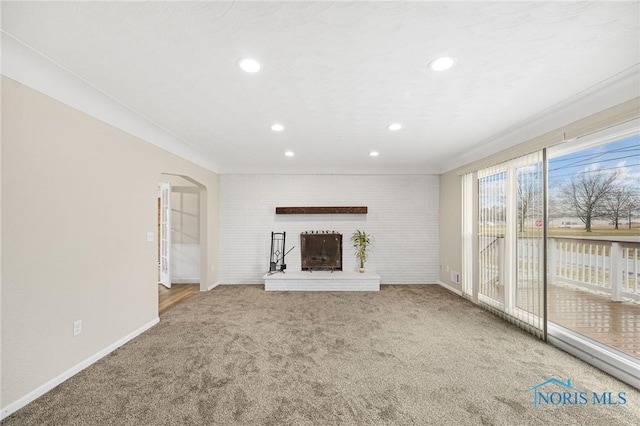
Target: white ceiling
{"points": [[335, 74]]}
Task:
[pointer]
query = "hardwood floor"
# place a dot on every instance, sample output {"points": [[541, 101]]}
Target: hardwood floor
{"points": [[169, 298], [616, 324]]}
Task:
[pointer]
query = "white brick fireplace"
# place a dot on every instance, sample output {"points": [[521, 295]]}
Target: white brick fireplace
{"points": [[403, 217]]}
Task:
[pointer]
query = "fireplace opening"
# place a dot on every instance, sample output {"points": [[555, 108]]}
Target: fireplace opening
{"points": [[321, 251]]}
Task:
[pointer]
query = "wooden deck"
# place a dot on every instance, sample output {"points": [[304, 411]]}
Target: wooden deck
{"points": [[616, 324], [169, 298]]}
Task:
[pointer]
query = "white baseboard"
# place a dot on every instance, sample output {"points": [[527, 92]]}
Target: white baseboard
{"points": [[38, 392], [451, 289], [212, 286]]}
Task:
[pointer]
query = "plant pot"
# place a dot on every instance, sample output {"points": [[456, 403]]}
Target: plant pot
{"points": [[361, 270]]}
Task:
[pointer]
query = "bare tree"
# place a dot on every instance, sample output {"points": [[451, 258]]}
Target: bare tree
{"points": [[586, 193], [557, 208], [493, 214], [529, 196], [633, 207], [618, 202]]}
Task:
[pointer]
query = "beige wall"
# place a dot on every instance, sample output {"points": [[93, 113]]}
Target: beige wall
{"points": [[450, 227], [79, 197]]}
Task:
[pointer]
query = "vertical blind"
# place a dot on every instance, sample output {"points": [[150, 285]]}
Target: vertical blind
{"points": [[510, 241], [492, 224], [530, 242], [467, 235]]}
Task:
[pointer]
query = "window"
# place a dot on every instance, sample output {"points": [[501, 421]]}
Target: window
{"points": [[510, 241], [554, 246]]}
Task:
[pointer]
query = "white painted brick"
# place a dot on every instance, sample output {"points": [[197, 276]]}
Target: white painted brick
{"points": [[322, 281], [403, 218]]}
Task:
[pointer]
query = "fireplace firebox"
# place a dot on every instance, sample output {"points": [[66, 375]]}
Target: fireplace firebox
{"points": [[321, 251]]}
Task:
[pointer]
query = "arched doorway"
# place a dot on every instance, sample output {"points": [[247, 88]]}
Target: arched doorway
{"points": [[182, 239]]}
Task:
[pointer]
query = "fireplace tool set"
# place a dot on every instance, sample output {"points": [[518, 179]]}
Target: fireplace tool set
{"points": [[276, 260]]}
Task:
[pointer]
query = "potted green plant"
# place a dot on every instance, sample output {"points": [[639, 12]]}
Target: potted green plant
{"points": [[361, 242]]}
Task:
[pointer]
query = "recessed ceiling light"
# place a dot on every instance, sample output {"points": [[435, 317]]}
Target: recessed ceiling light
{"points": [[249, 65], [442, 64], [289, 153], [374, 153], [277, 127], [395, 126]]}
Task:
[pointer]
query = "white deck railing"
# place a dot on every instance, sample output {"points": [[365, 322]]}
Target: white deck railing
{"points": [[610, 267], [606, 266]]}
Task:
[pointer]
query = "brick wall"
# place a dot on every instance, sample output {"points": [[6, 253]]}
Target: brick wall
{"points": [[403, 218]]}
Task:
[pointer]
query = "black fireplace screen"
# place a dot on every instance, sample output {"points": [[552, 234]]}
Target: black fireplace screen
{"points": [[321, 251]]}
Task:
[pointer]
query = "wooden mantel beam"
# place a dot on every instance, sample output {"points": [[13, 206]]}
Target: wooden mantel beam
{"points": [[322, 210]]}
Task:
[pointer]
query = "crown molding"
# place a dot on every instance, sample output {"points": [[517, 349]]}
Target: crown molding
{"points": [[29, 67], [330, 169], [620, 88]]}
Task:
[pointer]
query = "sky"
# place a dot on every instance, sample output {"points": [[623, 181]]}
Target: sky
{"points": [[622, 156]]}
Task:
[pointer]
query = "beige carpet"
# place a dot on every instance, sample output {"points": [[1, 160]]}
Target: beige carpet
{"points": [[405, 355]]}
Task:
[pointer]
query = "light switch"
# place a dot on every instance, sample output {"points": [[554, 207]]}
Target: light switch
{"points": [[150, 236]]}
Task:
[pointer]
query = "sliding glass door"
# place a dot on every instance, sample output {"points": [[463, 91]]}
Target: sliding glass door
{"points": [[529, 268], [510, 245], [492, 187], [594, 239], [551, 242]]}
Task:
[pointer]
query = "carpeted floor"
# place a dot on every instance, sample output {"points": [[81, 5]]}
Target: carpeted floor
{"points": [[405, 355]]}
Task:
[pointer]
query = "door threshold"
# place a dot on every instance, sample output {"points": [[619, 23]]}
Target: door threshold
{"points": [[617, 363]]}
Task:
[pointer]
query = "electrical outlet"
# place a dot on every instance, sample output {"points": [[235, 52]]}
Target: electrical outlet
{"points": [[77, 327], [447, 268], [455, 277], [151, 236]]}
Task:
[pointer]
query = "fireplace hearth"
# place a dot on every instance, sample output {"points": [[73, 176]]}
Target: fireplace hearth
{"points": [[321, 251]]}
